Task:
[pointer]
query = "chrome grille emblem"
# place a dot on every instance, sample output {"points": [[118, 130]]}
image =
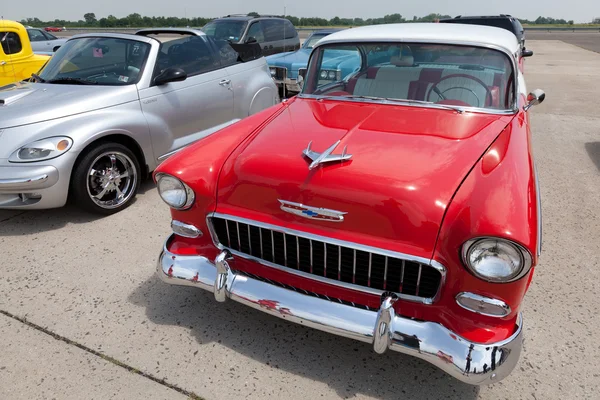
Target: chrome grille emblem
{"points": [[323, 214]]}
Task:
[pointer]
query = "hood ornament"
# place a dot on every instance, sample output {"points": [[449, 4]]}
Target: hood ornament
{"points": [[323, 214], [326, 156]]}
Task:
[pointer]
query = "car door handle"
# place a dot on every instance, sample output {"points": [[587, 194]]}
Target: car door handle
{"points": [[2, 62], [225, 82]]}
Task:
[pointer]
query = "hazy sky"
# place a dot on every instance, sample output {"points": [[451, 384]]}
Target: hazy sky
{"points": [[577, 10]]}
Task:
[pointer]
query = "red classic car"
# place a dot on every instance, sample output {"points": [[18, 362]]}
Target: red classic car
{"points": [[53, 29], [394, 201]]}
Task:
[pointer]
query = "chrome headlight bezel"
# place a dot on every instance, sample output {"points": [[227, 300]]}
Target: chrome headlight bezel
{"points": [[50, 144], [524, 258], [187, 193]]}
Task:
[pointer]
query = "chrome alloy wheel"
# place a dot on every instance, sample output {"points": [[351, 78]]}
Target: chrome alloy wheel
{"points": [[111, 179]]}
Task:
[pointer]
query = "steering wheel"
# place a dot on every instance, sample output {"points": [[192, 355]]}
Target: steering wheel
{"points": [[434, 88]]}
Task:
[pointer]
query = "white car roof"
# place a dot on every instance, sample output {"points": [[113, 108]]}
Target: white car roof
{"points": [[428, 32]]}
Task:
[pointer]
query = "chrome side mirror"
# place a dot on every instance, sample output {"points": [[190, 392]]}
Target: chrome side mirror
{"points": [[534, 98]]}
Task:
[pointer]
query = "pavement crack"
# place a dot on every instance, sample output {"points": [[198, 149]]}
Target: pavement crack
{"points": [[12, 216], [105, 357]]}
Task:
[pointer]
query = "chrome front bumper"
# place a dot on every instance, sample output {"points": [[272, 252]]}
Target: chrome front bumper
{"points": [[468, 362]]}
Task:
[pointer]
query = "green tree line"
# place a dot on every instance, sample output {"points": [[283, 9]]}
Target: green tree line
{"points": [[136, 20]]}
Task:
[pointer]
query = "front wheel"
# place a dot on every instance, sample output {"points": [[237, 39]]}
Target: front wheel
{"points": [[106, 179]]}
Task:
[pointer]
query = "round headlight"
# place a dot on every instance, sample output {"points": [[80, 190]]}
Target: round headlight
{"points": [[323, 74], [496, 260], [175, 193], [273, 72], [331, 75]]}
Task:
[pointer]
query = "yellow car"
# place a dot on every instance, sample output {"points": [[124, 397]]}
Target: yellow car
{"points": [[17, 60]]}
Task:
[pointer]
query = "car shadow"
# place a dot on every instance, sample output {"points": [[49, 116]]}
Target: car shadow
{"points": [[20, 222], [593, 150], [347, 366]]}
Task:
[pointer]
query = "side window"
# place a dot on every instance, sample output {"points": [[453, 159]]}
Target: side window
{"points": [[49, 36], [192, 54], [226, 54], [11, 43], [35, 35], [290, 31], [273, 29], [256, 31]]}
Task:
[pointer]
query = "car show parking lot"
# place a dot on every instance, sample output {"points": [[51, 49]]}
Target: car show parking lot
{"points": [[79, 297]]}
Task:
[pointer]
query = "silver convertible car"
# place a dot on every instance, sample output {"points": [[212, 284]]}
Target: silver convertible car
{"points": [[108, 108]]}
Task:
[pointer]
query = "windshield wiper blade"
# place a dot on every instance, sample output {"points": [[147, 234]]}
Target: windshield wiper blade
{"points": [[396, 100], [77, 81], [37, 78]]}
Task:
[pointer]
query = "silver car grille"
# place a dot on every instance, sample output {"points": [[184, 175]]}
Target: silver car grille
{"points": [[338, 263]]}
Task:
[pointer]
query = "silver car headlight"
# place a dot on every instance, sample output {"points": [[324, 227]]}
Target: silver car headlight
{"points": [[273, 71], [40, 150], [496, 259], [174, 192]]}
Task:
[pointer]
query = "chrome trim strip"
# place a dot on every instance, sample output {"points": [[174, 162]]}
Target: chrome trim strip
{"points": [[354, 267], [369, 271], [482, 299], [297, 253], [228, 235], [329, 281], [249, 239], [18, 182], [419, 279], [284, 249], [538, 204], [339, 263], [325, 259], [261, 241], [385, 274], [237, 226], [272, 247], [169, 154], [402, 275], [467, 361]]}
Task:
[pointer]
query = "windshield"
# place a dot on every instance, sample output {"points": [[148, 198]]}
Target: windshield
{"points": [[225, 29], [311, 41], [95, 60], [463, 76]]}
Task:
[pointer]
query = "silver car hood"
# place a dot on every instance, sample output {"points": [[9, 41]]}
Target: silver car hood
{"points": [[28, 103]]}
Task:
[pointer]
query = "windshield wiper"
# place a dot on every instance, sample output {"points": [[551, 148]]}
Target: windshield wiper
{"points": [[37, 78], [77, 81]]}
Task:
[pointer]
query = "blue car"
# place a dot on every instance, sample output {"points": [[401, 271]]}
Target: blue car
{"points": [[285, 66]]}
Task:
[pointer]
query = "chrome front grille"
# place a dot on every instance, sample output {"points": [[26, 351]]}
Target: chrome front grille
{"points": [[321, 258]]}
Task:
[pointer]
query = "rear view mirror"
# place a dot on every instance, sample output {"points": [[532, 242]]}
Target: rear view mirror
{"points": [[170, 75], [534, 98]]}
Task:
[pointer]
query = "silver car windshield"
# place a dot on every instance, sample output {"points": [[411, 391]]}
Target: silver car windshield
{"points": [[95, 60], [443, 74]]}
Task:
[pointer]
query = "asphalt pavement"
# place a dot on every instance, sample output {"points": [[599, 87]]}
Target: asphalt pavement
{"points": [[83, 315]]}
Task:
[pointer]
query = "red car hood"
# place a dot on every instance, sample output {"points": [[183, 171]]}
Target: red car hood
{"points": [[407, 163]]}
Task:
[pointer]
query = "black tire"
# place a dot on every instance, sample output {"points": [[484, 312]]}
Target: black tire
{"points": [[105, 171]]}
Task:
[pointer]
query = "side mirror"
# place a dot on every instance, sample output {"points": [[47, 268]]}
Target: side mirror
{"points": [[534, 98], [526, 53], [170, 75], [251, 39]]}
